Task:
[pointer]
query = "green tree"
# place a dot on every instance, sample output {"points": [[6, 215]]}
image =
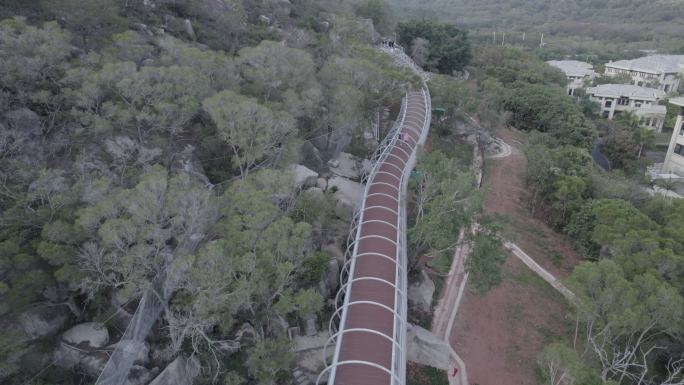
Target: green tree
{"points": [[144, 101], [486, 256], [33, 58], [449, 46], [252, 130], [271, 69], [445, 202], [539, 107], [269, 361]]}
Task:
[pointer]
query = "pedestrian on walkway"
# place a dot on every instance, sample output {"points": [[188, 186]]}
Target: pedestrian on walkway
{"points": [[455, 372]]}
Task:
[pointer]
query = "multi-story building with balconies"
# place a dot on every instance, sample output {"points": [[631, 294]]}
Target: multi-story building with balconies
{"points": [[617, 98], [577, 73], [674, 159], [658, 71]]}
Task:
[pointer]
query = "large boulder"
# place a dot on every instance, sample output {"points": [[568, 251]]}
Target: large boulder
{"points": [[329, 283], [311, 156], [181, 371], [303, 176], [347, 193], [426, 348], [140, 375], [43, 321], [69, 357], [420, 293], [94, 334], [246, 334], [345, 165]]}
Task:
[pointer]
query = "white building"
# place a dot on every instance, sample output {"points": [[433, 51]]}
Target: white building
{"points": [[617, 98], [674, 160], [576, 71], [658, 71]]}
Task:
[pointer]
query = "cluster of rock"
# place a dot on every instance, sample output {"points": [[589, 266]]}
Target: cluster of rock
{"points": [[341, 179]]}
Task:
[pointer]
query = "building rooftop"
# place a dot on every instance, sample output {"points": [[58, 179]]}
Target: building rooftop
{"points": [[678, 101], [655, 64], [573, 67], [627, 90]]}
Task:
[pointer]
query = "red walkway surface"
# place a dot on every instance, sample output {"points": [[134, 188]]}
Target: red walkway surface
{"points": [[377, 256]]}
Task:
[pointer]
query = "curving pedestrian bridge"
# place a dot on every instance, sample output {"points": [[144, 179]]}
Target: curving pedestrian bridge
{"points": [[368, 329]]}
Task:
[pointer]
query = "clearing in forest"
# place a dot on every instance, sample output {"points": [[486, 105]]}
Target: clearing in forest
{"points": [[500, 335]]}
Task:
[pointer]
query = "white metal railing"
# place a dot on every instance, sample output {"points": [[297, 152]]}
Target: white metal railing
{"points": [[382, 153], [398, 363], [379, 157]]}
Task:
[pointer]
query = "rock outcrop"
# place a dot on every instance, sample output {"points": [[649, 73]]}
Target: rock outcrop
{"points": [[347, 193], [420, 294], [303, 176], [345, 165], [94, 334]]}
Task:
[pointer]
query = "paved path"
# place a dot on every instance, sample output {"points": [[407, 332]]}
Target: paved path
{"points": [[543, 273]]}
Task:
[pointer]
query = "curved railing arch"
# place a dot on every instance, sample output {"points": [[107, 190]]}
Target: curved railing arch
{"points": [[398, 152]]}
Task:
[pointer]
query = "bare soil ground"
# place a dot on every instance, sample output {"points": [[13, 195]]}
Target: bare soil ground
{"points": [[506, 193], [501, 334]]}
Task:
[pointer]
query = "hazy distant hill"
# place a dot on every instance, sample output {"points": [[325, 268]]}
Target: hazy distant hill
{"points": [[618, 20]]}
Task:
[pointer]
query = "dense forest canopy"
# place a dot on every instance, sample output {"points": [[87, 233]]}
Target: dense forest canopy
{"points": [[148, 147]]}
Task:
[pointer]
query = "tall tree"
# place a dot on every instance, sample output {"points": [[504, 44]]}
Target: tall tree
{"points": [[253, 131]]}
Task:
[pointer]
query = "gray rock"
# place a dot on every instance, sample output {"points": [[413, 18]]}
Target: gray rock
{"points": [[366, 166], [265, 20], [92, 333], [246, 334], [311, 156], [189, 30], [426, 348], [69, 357], [324, 26], [345, 165], [181, 371], [346, 192], [43, 321], [304, 177], [322, 183], [140, 375], [331, 280], [315, 192], [66, 356], [310, 327], [420, 294], [278, 326]]}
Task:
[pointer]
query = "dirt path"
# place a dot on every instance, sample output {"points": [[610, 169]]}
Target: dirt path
{"points": [[499, 335]]}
